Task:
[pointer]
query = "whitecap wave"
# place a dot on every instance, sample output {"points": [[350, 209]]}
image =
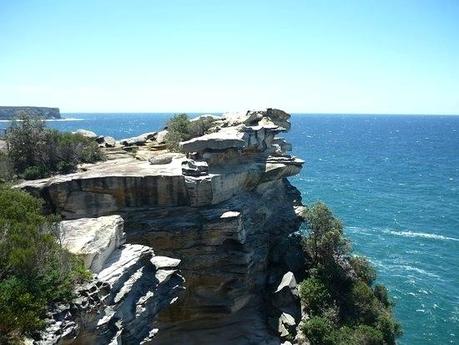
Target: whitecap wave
{"points": [[415, 269], [420, 234], [65, 119]]}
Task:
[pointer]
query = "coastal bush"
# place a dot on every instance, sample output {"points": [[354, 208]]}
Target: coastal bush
{"points": [[382, 295], [36, 151], [363, 269], [181, 128], [315, 295], [338, 295], [6, 168], [319, 330], [34, 269]]}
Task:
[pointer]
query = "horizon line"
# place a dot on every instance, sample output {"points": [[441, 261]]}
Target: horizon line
{"points": [[292, 113]]}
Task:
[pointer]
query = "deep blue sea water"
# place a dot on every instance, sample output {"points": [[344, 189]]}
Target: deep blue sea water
{"points": [[393, 180]]}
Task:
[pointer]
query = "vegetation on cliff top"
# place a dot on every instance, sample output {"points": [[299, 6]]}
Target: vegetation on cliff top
{"points": [[34, 269], [35, 151], [180, 128], [344, 305]]}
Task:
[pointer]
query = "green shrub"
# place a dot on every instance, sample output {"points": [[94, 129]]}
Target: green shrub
{"points": [[180, 128], [319, 331], [34, 269], [362, 305], [338, 293], [366, 335], [363, 269], [389, 328], [382, 295], [6, 168], [36, 151], [325, 240], [315, 295]]}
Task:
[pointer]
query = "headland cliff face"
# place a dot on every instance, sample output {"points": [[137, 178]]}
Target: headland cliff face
{"points": [[198, 247], [9, 113]]}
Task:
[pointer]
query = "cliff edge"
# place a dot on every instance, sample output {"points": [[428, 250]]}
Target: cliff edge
{"points": [[198, 247]]}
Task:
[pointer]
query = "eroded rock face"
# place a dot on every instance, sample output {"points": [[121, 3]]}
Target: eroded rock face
{"points": [[226, 211], [120, 304], [92, 239]]}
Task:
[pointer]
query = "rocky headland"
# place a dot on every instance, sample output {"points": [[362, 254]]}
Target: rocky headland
{"points": [[9, 113], [197, 247]]}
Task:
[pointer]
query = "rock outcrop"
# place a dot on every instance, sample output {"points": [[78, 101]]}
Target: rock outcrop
{"points": [[9, 113], [122, 301], [225, 210]]}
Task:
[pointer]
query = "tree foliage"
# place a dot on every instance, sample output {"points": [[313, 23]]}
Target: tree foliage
{"points": [[34, 269], [338, 295], [35, 151], [181, 128]]}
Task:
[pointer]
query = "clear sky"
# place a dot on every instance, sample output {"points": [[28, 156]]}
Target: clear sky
{"points": [[341, 56]]}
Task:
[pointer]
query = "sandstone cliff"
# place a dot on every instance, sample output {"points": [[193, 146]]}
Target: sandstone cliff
{"points": [[9, 113], [193, 248]]}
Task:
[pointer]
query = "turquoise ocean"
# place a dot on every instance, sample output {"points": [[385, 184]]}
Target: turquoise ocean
{"points": [[393, 180]]}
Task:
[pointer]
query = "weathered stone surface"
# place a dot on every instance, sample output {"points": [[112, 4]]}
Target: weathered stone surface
{"points": [[165, 158], [3, 146], [225, 251], [206, 117], [92, 239], [161, 137], [138, 140], [86, 133], [121, 304], [111, 186], [106, 141], [269, 118], [222, 140], [193, 168]]}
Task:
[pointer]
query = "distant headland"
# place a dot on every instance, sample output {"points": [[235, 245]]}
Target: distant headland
{"points": [[9, 113]]}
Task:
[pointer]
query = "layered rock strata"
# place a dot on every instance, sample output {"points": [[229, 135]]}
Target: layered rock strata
{"points": [[123, 299], [225, 209]]}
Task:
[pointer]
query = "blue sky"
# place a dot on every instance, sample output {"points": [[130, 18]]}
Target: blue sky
{"points": [[177, 55]]}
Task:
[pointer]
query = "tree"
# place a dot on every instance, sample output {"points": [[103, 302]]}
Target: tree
{"points": [[325, 240], [35, 151], [180, 128], [338, 295]]}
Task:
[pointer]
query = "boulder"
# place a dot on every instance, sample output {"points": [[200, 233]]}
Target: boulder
{"points": [[86, 133], [270, 118], [286, 324], [106, 141], [92, 239], [225, 139], [161, 136], [194, 168], [207, 117], [165, 158], [138, 140], [286, 296]]}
